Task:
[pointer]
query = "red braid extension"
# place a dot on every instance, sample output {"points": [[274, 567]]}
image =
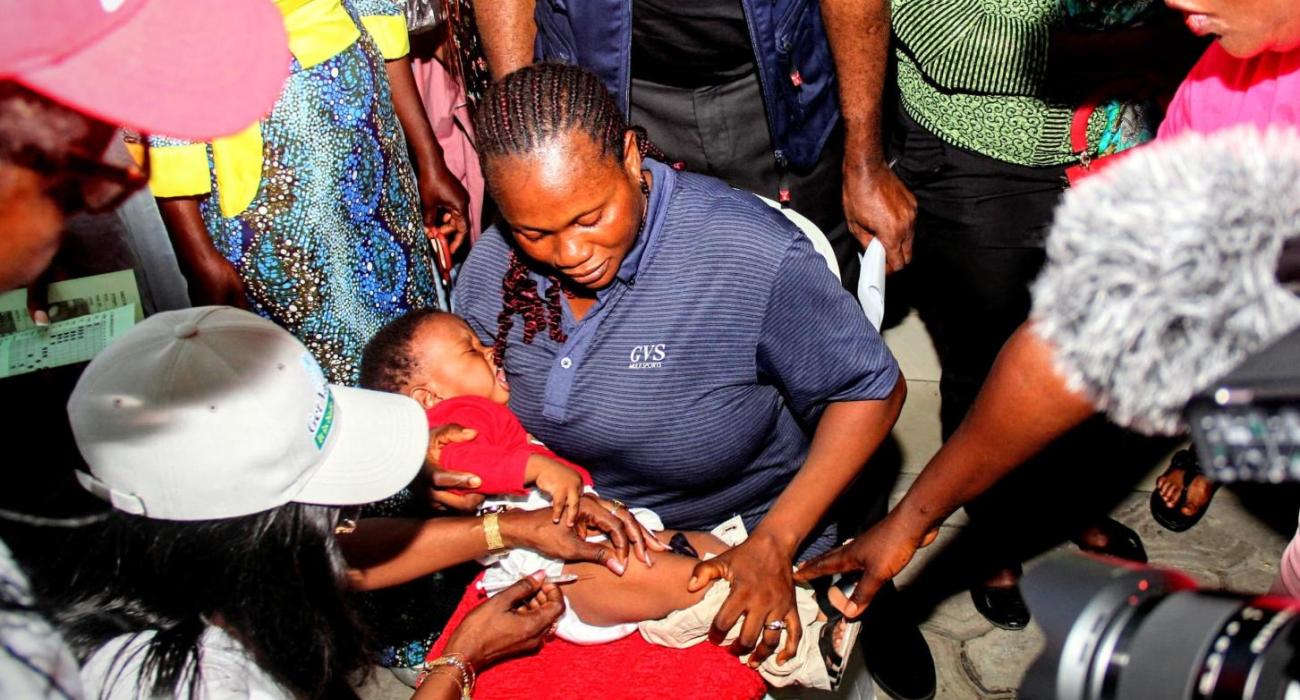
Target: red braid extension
{"points": [[527, 108], [553, 309], [519, 296]]}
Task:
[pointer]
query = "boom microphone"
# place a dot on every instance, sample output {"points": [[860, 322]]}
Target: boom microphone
{"points": [[1161, 271]]}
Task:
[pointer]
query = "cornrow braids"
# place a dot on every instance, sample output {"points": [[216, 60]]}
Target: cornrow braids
{"points": [[519, 296], [387, 362], [528, 108]]}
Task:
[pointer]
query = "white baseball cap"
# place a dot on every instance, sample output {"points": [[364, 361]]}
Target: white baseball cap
{"points": [[214, 413]]}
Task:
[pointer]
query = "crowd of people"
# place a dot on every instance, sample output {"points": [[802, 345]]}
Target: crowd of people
{"points": [[467, 337]]}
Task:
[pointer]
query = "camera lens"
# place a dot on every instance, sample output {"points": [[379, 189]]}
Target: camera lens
{"points": [[1123, 632]]}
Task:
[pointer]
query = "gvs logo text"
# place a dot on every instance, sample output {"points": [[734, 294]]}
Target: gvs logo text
{"points": [[648, 356]]}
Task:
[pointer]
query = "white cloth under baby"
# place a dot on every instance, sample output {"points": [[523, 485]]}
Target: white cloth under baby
{"points": [[506, 568]]}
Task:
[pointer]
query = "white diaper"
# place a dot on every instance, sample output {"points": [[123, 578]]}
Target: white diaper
{"points": [[504, 569]]}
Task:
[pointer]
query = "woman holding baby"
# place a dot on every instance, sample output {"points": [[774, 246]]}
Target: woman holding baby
{"points": [[677, 338]]}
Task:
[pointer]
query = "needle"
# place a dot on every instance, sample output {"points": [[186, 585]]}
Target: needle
{"points": [[557, 580]]}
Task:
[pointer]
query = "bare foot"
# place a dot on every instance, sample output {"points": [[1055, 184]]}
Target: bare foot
{"points": [[1170, 486], [1003, 578], [1093, 539], [838, 601], [1198, 495]]}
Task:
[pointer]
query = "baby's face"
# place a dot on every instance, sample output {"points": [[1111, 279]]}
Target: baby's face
{"points": [[452, 359]]}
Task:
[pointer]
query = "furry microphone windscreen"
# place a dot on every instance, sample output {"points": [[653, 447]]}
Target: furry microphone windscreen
{"points": [[1160, 273]]}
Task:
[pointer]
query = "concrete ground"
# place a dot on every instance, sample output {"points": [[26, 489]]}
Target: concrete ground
{"points": [[1228, 549]]}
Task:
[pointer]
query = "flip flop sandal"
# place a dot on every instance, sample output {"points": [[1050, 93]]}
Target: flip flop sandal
{"points": [[1171, 518], [836, 655]]}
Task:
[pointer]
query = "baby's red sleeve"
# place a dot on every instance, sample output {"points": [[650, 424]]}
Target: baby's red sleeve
{"points": [[498, 454], [542, 450]]}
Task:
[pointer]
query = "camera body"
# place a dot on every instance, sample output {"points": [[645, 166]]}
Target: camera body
{"points": [[1246, 425]]}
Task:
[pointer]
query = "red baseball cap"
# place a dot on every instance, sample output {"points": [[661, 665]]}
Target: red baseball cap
{"points": [[193, 69]]}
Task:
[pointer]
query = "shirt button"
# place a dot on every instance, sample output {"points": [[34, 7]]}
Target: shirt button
{"points": [[566, 363]]}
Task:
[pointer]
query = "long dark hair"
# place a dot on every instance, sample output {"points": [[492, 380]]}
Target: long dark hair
{"points": [[521, 114], [273, 580]]}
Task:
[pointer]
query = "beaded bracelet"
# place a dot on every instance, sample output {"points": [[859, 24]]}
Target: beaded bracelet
{"points": [[447, 672], [443, 663]]}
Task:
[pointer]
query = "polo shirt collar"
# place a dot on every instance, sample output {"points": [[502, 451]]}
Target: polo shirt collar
{"points": [[664, 180]]}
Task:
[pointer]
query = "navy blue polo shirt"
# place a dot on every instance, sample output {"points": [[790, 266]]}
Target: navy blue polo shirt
{"points": [[694, 383]]}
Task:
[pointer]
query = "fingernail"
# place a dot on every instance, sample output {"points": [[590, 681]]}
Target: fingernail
{"points": [[41, 318], [616, 566], [538, 576], [475, 482], [648, 561], [691, 583], [852, 609]]}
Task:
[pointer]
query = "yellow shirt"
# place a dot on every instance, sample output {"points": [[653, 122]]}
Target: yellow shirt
{"points": [[318, 31]]}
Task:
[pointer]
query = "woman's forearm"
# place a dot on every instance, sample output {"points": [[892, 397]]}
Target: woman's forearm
{"points": [[212, 279], [189, 235], [847, 435], [1023, 406], [509, 31], [385, 552], [439, 686], [410, 112]]}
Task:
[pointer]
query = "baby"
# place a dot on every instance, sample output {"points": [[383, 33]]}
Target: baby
{"points": [[435, 358]]}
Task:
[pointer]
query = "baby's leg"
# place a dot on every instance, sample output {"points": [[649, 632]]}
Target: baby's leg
{"points": [[601, 598]]}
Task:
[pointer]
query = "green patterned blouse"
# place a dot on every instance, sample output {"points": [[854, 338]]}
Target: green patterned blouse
{"points": [[973, 72]]}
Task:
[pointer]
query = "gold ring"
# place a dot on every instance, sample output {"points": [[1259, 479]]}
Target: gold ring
{"points": [[617, 504]]}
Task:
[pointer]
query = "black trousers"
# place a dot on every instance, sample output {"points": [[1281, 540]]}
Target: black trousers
{"points": [[721, 130], [980, 228]]}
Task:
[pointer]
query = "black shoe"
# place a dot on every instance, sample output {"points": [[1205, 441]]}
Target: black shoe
{"points": [[1001, 605], [896, 654], [1121, 541]]}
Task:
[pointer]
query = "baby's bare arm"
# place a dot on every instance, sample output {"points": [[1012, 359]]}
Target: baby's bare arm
{"points": [[641, 593]]}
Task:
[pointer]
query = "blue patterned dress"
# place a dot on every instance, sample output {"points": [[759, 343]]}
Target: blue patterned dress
{"points": [[332, 245]]}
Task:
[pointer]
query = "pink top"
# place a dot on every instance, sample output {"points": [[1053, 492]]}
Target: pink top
{"points": [[448, 110], [1223, 91]]}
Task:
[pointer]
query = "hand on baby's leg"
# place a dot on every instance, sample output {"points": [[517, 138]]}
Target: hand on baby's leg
{"points": [[641, 593]]}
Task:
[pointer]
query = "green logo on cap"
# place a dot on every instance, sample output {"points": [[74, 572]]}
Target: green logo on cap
{"points": [[326, 422]]}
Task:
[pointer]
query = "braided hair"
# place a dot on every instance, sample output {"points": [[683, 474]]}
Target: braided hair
{"points": [[521, 114]]}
